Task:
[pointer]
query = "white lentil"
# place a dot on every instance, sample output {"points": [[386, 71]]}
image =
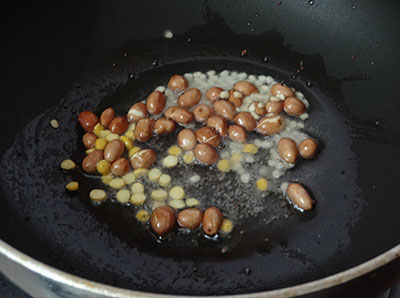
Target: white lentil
{"points": [[54, 123], [194, 179], [168, 34]]}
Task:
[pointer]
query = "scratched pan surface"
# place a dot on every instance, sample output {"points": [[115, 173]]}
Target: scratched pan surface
{"points": [[352, 90]]}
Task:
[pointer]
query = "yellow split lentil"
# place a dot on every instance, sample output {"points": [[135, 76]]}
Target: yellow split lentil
{"points": [[262, 184], [106, 179], [103, 167], [127, 141], [72, 186], [143, 216], [98, 128], [174, 150], [250, 148], [68, 164], [188, 157], [224, 165], [227, 226]]}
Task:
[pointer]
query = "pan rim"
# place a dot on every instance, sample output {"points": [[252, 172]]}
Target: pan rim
{"points": [[96, 288]]}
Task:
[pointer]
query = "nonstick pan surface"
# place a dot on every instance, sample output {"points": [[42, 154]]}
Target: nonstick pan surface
{"points": [[354, 177]]}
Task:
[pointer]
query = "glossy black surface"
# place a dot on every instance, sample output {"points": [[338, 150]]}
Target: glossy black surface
{"points": [[348, 56]]}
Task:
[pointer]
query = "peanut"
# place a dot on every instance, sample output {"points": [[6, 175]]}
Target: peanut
{"points": [[189, 98], [287, 149], [213, 93], [144, 129], [270, 125], [120, 167], [219, 124], [206, 154], [186, 139], [307, 148], [106, 116], [88, 140], [179, 115], [136, 112], [155, 102], [208, 136], [246, 88], [118, 125], [143, 159], [87, 120], [178, 83], [294, 106], [164, 126], [299, 196], [114, 150], [162, 220], [274, 107], [89, 163], [190, 218], [258, 107], [281, 89], [235, 98], [202, 112], [225, 109], [237, 133], [245, 120], [212, 221]]}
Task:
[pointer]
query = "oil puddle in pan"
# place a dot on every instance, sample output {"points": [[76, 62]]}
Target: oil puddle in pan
{"points": [[256, 221], [73, 224]]}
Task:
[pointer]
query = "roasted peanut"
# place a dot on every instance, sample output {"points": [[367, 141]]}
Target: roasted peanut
{"points": [[294, 106], [189, 98], [274, 107], [281, 89], [144, 129], [245, 120], [237, 133], [179, 115], [143, 159], [225, 109], [162, 220], [206, 154], [258, 108], [297, 193], [114, 150], [136, 112], [178, 83], [212, 221], [235, 98], [120, 167], [207, 135], [287, 149], [202, 112], [89, 139], [186, 139], [213, 93], [219, 124], [155, 102], [307, 148], [87, 120], [270, 125], [190, 218], [118, 125], [106, 116], [246, 88], [89, 163], [164, 126]]}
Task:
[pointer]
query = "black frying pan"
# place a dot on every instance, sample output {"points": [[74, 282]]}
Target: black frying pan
{"points": [[343, 58]]}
